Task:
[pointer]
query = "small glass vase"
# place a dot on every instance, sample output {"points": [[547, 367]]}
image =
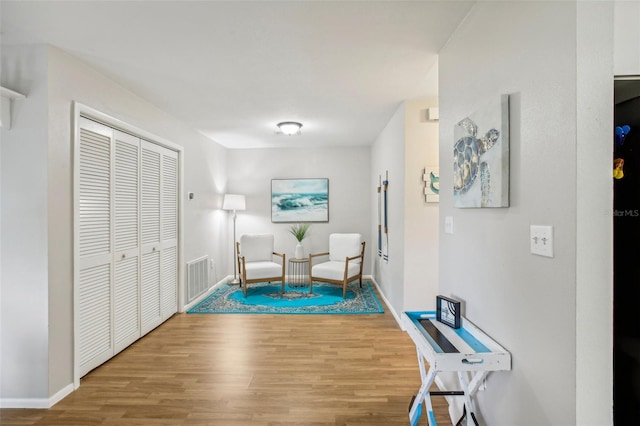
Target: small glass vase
{"points": [[299, 254]]}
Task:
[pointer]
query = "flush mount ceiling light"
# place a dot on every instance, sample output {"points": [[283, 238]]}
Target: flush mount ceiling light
{"points": [[290, 127]]}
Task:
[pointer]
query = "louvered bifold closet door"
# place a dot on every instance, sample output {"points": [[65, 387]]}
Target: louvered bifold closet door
{"points": [[94, 221], [169, 233], [127, 231], [150, 233]]}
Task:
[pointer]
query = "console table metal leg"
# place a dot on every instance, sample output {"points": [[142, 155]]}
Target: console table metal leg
{"points": [[415, 411], [468, 397]]}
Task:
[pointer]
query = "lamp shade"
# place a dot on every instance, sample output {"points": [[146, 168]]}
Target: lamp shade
{"points": [[290, 127], [233, 202]]}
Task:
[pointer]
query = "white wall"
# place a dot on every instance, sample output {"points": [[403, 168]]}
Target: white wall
{"points": [[408, 143], [421, 237], [250, 172], [23, 198], [70, 80], [526, 302], [594, 222], [627, 37], [387, 154]]}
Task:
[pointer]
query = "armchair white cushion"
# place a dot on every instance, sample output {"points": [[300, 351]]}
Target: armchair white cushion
{"points": [[334, 270], [255, 260], [342, 246], [257, 247], [259, 270], [346, 257]]}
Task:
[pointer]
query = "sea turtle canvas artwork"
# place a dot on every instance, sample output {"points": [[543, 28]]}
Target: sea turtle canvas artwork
{"points": [[481, 157]]}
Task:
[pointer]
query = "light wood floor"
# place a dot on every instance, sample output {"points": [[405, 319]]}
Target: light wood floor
{"points": [[250, 370]]}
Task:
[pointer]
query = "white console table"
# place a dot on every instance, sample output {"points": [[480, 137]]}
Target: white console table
{"points": [[462, 350]]}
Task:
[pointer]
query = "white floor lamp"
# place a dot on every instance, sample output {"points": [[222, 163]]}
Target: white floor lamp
{"points": [[234, 202]]}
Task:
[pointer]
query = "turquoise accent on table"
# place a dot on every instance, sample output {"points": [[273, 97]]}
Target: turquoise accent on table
{"points": [[416, 415], [265, 298], [469, 339], [432, 419], [474, 343]]}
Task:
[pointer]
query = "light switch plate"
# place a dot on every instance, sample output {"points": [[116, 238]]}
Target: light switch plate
{"points": [[541, 240], [448, 224]]}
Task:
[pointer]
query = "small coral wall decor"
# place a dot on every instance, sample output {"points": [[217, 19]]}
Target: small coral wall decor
{"points": [[431, 178]]}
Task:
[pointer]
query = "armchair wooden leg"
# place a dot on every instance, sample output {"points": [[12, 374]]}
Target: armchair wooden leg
{"points": [[244, 289], [344, 290]]}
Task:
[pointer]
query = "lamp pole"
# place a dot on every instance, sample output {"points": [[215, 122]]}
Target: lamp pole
{"points": [[234, 202], [235, 280]]}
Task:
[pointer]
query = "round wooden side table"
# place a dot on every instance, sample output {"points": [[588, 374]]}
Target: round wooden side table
{"points": [[298, 272]]}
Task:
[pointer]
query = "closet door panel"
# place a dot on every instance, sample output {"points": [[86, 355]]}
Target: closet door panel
{"points": [[94, 223], [169, 189], [127, 210], [95, 317], [94, 192], [126, 303], [127, 236], [169, 232], [150, 288], [150, 185], [150, 194], [169, 288]]}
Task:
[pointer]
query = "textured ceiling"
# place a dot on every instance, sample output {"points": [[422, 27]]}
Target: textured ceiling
{"points": [[233, 69]]}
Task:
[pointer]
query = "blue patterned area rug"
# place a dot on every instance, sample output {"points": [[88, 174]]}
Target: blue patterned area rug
{"points": [[265, 298]]}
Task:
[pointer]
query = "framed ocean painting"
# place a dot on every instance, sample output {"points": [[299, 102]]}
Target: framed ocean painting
{"points": [[300, 200]]}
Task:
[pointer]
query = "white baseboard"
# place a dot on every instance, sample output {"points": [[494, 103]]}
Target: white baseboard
{"points": [[207, 293], [24, 403], [59, 396], [386, 301], [37, 402]]}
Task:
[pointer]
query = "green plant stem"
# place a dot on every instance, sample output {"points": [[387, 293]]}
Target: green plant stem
{"points": [[299, 230]]}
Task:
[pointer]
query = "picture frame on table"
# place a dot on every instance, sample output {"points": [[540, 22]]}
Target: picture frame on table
{"points": [[448, 311]]}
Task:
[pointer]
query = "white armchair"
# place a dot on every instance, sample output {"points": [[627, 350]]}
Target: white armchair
{"points": [[346, 257], [255, 260]]}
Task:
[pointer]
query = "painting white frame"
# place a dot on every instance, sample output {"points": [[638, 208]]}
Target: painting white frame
{"points": [[300, 200]]}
